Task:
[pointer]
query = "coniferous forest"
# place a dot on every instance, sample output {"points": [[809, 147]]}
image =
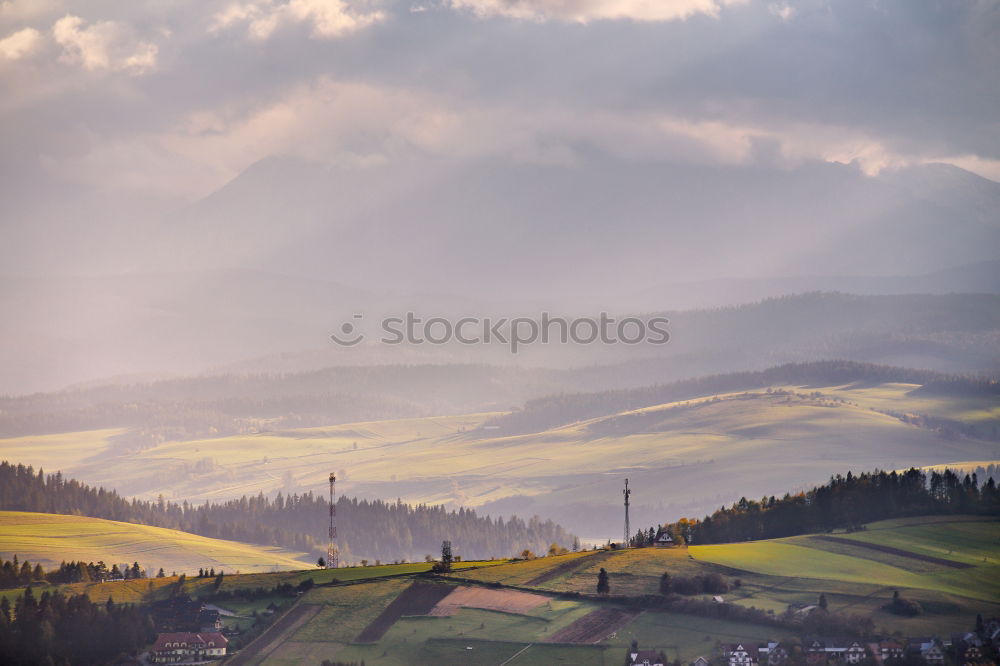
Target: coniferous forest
{"points": [[848, 502], [371, 529], [57, 629]]}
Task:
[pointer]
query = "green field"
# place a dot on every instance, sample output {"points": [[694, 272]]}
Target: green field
{"points": [[685, 458], [950, 565], [52, 538], [975, 543], [772, 575]]}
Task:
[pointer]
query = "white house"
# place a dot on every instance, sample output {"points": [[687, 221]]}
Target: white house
{"points": [[183, 646]]}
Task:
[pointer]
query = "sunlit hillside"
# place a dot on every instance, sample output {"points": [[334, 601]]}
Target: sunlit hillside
{"points": [[50, 539], [683, 458]]}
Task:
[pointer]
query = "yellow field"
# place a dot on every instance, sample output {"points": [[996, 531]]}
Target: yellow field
{"points": [[64, 451], [50, 539], [686, 458]]}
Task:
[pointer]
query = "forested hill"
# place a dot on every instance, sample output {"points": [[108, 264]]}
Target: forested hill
{"points": [[367, 529], [552, 411], [849, 502]]}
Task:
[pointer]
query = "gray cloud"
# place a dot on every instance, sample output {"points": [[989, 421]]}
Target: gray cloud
{"points": [[134, 109]]}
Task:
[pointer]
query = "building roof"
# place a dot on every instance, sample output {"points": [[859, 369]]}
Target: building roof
{"points": [[643, 655], [207, 639], [749, 648]]}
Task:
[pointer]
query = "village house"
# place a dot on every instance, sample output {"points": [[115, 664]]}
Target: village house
{"points": [[891, 650], [815, 652], [741, 655], [209, 621], [970, 654], [934, 655], [777, 654], [177, 647], [664, 540], [930, 649], [821, 651], [646, 658], [853, 652], [700, 661]]}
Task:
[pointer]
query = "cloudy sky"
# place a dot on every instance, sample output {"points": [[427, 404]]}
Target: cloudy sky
{"points": [[637, 142], [168, 101]]}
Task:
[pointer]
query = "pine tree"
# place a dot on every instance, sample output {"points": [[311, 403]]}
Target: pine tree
{"points": [[444, 566]]}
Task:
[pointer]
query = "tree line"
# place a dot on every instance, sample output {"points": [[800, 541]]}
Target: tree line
{"points": [[58, 629], [14, 573], [845, 502], [367, 528]]}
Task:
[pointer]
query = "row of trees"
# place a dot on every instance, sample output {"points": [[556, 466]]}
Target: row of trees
{"points": [[373, 529], [14, 573], [58, 629], [845, 502]]}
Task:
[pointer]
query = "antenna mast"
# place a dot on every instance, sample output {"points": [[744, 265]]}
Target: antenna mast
{"points": [[626, 493], [331, 548]]}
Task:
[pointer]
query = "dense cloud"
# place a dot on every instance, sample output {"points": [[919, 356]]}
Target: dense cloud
{"points": [[116, 114], [602, 146]]}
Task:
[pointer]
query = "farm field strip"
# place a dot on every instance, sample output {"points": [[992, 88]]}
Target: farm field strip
{"points": [[595, 626], [889, 550], [418, 599], [505, 601]]}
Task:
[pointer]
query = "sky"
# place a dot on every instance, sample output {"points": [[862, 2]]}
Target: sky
{"points": [[163, 103], [577, 152]]}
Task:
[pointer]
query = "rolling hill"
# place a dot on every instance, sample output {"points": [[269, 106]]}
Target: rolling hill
{"points": [[545, 610], [683, 457], [50, 539]]}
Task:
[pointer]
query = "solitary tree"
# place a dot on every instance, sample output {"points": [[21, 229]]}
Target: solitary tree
{"points": [[822, 601], [444, 566], [602, 582], [321, 562], [218, 580]]}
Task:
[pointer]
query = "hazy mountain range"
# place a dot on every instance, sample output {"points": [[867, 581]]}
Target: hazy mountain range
{"points": [[271, 263]]}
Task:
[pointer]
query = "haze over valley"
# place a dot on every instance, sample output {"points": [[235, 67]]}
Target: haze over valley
{"points": [[500, 332]]}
